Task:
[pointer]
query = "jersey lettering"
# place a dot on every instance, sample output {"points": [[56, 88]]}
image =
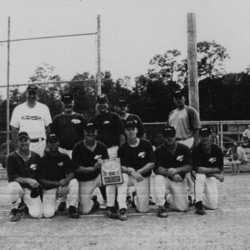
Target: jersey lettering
{"points": [[27, 117]]}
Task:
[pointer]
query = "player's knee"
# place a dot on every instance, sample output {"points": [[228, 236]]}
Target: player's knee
{"points": [[36, 213], [84, 210], [74, 183], [48, 213], [13, 188]]}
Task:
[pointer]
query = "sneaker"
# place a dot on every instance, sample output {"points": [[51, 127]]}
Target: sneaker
{"points": [[112, 213], [73, 213], [133, 200], [151, 201], [103, 205], [15, 215], [123, 214], [62, 207], [129, 200], [22, 208], [162, 213], [96, 203], [199, 208]]}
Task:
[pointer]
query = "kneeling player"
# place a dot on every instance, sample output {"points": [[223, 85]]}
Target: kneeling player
{"points": [[207, 164], [55, 173], [21, 169], [137, 160], [173, 162], [88, 155]]}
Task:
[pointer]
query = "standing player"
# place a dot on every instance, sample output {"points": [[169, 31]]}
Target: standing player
{"points": [[173, 162], [68, 126], [21, 169], [110, 131], [55, 173], [34, 117], [207, 161], [186, 122], [88, 155], [137, 161]]}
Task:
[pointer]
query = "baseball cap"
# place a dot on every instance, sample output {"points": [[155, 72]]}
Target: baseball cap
{"points": [[122, 102], [32, 88], [130, 124], [22, 135], [52, 138], [205, 131], [169, 131], [90, 126], [102, 99], [178, 93], [67, 98]]}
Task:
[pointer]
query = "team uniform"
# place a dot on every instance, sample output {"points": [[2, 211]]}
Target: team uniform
{"points": [[33, 120], [177, 196], [17, 167], [84, 157], [185, 121], [56, 168], [69, 131], [136, 158], [206, 189]]}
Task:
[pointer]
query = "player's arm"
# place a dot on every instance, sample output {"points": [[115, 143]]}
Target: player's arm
{"points": [[86, 170], [14, 132], [196, 137], [51, 184], [31, 182], [146, 168]]}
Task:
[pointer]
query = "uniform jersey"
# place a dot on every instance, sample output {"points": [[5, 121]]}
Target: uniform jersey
{"points": [[68, 129], [182, 156], [184, 121], [137, 157], [17, 167], [32, 120], [54, 168], [212, 160], [83, 157], [109, 127], [139, 123]]}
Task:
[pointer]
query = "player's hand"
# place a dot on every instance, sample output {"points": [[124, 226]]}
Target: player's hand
{"points": [[170, 172], [176, 178], [138, 177], [33, 183], [97, 166], [202, 170], [63, 182]]}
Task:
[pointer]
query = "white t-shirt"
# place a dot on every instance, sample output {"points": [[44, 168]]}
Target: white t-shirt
{"points": [[31, 120], [179, 120]]}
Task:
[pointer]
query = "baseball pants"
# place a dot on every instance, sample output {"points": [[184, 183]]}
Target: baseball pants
{"points": [[206, 190], [177, 195], [16, 193], [86, 189], [50, 196], [189, 182], [142, 193], [38, 147]]}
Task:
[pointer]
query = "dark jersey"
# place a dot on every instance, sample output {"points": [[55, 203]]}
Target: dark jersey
{"points": [[140, 126], [182, 156], [68, 129], [17, 167], [137, 157], [212, 160], [109, 127], [54, 168], [83, 157]]}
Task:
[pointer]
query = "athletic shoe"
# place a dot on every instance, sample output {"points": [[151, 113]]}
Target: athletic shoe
{"points": [[199, 208], [73, 213], [133, 200], [151, 202], [112, 213], [162, 213], [123, 214], [128, 200], [15, 215], [62, 207], [103, 205], [96, 203], [166, 205]]}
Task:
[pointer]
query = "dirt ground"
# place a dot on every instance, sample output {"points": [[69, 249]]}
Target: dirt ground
{"points": [[226, 228]]}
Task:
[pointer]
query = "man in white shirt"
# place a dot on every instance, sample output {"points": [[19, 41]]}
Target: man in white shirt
{"points": [[33, 117]]}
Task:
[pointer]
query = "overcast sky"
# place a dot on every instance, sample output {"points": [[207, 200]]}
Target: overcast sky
{"points": [[132, 32]]}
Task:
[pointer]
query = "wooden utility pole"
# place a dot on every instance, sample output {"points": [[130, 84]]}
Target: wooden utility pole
{"points": [[8, 93], [192, 63], [99, 83]]}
